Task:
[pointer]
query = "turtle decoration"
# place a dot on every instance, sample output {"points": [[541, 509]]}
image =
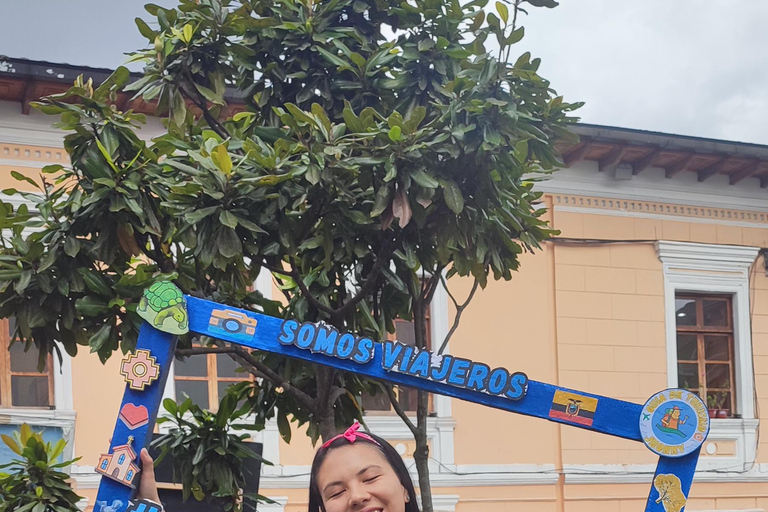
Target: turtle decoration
{"points": [[165, 308]]}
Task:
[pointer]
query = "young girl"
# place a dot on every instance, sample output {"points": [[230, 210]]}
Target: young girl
{"points": [[352, 472]]}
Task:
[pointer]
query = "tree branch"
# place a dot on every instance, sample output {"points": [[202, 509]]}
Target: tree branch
{"points": [[399, 409], [250, 363], [459, 310], [381, 258]]}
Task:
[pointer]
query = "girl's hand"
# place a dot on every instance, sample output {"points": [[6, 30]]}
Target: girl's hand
{"points": [[147, 483]]}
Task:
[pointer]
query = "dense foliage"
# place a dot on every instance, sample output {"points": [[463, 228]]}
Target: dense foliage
{"points": [[208, 457], [34, 482], [356, 149]]}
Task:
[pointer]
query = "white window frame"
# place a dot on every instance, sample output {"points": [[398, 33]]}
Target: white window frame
{"points": [[717, 269]]}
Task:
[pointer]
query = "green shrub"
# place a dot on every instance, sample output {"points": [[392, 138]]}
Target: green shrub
{"points": [[34, 482]]}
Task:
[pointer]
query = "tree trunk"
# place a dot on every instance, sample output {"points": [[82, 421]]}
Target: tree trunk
{"points": [[421, 455], [325, 417]]}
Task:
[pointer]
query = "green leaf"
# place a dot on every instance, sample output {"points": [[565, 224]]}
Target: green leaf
{"points": [[10, 443], [221, 158], [421, 177], [187, 32], [515, 36], [98, 340], [145, 30], [283, 426], [503, 11], [550, 4], [228, 219], [453, 196], [210, 95], [20, 177], [395, 133], [95, 282]]}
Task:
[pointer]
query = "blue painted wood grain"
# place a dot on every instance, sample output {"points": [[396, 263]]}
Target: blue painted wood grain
{"points": [[683, 468], [612, 417], [162, 346]]}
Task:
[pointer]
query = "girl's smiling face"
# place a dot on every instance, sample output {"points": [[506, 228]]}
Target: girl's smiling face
{"points": [[358, 478]]}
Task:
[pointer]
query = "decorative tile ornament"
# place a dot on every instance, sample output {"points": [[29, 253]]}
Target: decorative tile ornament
{"points": [[674, 423], [670, 492], [143, 506], [165, 308], [119, 465], [134, 416], [573, 408], [139, 369]]}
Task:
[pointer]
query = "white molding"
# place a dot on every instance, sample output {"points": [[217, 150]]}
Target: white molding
{"points": [[656, 216], [584, 178], [469, 475], [443, 502], [643, 473], [282, 501], [85, 477], [707, 268]]}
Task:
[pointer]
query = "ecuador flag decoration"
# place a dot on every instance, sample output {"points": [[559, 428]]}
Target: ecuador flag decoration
{"points": [[573, 408]]}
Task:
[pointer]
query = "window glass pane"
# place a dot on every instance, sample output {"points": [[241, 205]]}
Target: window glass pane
{"points": [[685, 311], [405, 333], [23, 361], [716, 313], [197, 390], [29, 391], [226, 366], [193, 366], [716, 348], [687, 375], [718, 375], [687, 347], [377, 402], [719, 400], [408, 398]]}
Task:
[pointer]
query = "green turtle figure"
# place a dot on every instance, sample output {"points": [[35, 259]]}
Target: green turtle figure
{"points": [[161, 301]]}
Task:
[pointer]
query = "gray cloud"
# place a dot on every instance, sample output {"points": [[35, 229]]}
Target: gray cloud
{"points": [[690, 67]]}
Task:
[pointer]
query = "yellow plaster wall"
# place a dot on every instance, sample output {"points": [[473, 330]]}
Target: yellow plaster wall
{"points": [[508, 324]]}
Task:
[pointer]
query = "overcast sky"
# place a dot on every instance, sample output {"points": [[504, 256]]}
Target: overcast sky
{"points": [[691, 67]]}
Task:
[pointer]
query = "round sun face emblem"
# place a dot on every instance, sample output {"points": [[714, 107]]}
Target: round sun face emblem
{"points": [[674, 423]]}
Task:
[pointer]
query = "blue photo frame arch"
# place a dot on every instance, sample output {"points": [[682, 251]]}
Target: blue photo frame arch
{"points": [[673, 423]]}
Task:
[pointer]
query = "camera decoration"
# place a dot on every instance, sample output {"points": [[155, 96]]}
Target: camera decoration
{"points": [[165, 308], [673, 423], [234, 323], [140, 369], [119, 465]]}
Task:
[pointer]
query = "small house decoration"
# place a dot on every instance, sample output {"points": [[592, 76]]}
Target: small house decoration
{"points": [[140, 369], [119, 465]]}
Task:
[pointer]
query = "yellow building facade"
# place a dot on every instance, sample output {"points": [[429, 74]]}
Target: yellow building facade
{"points": [[657, 279]]}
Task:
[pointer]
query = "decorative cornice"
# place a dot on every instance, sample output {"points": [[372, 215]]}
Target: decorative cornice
{"points": [[655, 209], [718, 257]]}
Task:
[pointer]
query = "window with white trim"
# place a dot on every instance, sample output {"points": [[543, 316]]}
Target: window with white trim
{"points": [[710, 285], [22, 383]]}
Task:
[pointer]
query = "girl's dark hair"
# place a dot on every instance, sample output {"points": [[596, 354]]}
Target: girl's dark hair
{"points": [[394, 459]]}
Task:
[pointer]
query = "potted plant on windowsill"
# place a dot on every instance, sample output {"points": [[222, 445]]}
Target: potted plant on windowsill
{"points": [[715, 405]]}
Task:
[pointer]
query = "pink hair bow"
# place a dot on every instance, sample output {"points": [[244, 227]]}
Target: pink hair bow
{"points": [[351, 435]]}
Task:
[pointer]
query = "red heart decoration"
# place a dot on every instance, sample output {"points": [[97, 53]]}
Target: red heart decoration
{"points": [[134, 416]]}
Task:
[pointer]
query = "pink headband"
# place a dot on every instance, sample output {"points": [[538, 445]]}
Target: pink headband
{"points": [[351, 435]]}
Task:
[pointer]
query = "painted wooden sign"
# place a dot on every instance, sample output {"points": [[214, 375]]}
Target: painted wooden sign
{"points": [[670, 423]]}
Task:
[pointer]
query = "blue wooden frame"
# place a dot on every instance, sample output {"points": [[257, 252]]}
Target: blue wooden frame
{"points": [[363, 356]]}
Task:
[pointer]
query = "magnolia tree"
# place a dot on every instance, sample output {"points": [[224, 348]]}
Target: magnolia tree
{"points": [[359, 150]]}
